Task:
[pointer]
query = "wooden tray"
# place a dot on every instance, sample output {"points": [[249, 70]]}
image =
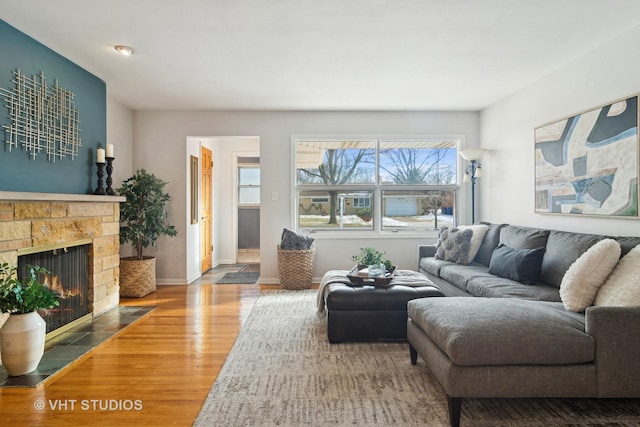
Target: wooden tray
{"points": [[358, 279]]}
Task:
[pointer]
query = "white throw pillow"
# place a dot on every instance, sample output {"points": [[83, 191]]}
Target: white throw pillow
{"points": [[479, 230], [622, 287], [582, 280]]}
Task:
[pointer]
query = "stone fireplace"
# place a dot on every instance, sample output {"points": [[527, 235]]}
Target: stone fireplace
{"points": [[41, 222], [68, 277]]}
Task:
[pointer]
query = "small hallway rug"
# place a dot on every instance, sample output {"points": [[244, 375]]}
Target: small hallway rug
{"points": [[239, 274], [239, 277], [282, 371]]}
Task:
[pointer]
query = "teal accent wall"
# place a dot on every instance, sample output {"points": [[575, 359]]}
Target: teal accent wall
{"points": [[18, 172]]}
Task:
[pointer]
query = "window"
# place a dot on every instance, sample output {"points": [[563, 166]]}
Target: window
{"points": [[336, 211], [248, 185], [375, 184], [362, 202]]}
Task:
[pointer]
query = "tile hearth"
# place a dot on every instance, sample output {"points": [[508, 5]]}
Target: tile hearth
{"points": [[69, 346]]}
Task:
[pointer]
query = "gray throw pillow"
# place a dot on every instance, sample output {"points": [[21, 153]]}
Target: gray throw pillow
{"points": [[489, 243], [454, 245], [521, 265], [293, 241]]}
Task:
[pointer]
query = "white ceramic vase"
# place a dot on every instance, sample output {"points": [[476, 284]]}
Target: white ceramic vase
{"points": [[22, 342]]}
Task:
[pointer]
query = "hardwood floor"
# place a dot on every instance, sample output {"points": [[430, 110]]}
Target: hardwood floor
{"points": [[156, 372]]}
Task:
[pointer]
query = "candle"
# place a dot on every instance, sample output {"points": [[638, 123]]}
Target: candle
{"points": [[110, 150], [100, 155]]}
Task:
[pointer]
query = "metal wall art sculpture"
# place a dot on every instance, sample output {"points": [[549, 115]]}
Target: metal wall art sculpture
{"points": [[43, 118]]}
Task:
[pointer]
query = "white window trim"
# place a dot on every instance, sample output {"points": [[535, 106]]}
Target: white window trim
{"points": [[377, 230]]}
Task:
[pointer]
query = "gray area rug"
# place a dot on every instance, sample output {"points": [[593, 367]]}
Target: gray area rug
{"points": [[239, 277], [282, 371]]}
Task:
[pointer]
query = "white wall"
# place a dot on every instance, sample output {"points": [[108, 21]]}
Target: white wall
{"points": [[606, 74], [160, 147], [193, 254], [120, 134]]}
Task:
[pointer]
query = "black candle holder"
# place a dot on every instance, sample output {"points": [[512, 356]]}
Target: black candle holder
{"points": [[110, 190], [100, 190]]}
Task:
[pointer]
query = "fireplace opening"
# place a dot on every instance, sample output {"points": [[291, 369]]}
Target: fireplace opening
{"points": [[69, 278]]}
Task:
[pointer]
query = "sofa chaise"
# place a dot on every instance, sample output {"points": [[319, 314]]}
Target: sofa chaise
{"points": [[504, 329]]}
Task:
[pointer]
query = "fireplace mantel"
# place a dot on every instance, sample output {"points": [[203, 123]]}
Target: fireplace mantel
{"points": [[57, 197]]}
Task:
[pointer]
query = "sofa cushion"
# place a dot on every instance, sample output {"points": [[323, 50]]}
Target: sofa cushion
{"points": [[523, 237], [460, 244], [433, 265], [499, 287], [585, 276], [622, 287], [489, 243], [627, 243], [459, 275], [563, 248], [521, 265], [491, 331]]}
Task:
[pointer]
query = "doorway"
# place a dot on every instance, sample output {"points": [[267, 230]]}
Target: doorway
{"points": [[248, 210], [227, 152]]}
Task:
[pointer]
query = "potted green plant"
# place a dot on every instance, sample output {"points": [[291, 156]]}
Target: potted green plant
{"points": [[22, 335], [371, 256], [143, 219]]}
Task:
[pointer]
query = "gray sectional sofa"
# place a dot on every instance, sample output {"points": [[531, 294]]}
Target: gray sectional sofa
{"points": [[497, 337]]}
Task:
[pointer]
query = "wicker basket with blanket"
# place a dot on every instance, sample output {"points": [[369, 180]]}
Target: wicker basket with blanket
{"points": [[296, 255]]}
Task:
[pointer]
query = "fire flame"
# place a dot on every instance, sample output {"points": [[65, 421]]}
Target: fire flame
{"points": [[54, 283]]}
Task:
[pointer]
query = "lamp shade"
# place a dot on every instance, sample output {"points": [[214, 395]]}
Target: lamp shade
{"points": [[472, 153]]}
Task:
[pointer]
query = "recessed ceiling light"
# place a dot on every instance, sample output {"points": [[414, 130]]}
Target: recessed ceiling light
{"points": [[124, 50]]}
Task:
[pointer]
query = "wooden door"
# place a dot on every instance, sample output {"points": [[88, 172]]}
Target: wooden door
{"points": [[206, 248]]}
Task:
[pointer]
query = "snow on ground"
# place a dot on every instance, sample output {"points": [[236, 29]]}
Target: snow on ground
{"points": [[390, 222]]}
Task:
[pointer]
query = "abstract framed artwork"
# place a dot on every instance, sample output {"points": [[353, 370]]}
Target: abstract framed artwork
{"points": [[587, 164]]}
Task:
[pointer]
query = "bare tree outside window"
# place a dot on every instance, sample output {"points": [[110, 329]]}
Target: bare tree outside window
{"points": [[339, 167], [411, 166], [418, 165], [410, 183]]}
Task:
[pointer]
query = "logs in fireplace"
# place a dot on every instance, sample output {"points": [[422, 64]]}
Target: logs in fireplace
{"points": [[69, 278]]}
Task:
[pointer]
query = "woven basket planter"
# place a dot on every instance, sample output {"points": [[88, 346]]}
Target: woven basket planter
{"points": [[295, 268], [137, 277]]}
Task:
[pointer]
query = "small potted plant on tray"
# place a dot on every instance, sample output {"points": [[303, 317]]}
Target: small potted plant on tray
{"points": [[369, 256]]}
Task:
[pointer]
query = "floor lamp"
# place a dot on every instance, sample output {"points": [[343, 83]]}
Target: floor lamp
{"points": [[471, 172]]}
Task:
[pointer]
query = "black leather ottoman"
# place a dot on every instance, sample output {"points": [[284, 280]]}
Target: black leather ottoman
{"points": [[367, 313]]}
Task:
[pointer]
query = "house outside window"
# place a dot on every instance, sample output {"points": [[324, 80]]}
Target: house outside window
{"points": [[390, 184]]}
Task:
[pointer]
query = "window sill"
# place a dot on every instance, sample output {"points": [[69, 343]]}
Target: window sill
{"points": [[367, 234]]}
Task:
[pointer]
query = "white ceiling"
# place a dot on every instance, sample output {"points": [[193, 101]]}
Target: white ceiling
{"points": [[321, 54]]}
